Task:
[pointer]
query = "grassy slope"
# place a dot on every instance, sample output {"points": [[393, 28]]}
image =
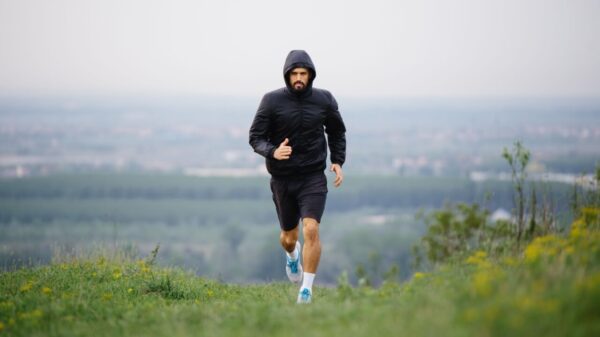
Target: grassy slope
{"points": [[553, 289]]}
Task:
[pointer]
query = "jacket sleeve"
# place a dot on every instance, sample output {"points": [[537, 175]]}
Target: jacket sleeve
{"points": [[336, 134], [259, 131]]}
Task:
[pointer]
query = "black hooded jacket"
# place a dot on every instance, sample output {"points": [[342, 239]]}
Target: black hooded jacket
{"points": [[302, 117]]}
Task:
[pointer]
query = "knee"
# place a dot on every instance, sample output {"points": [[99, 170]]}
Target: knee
{"points": [[310, 230], [288, 240]]}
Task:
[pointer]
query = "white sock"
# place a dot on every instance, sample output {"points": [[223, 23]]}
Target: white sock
{"points": [[307, 281], [293, 255]]}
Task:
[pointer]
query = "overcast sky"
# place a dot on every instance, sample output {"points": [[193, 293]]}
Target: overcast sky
{"points": [[447, 48]]}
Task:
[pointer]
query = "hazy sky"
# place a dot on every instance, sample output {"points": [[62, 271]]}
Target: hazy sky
{"points": [[360, 48]]}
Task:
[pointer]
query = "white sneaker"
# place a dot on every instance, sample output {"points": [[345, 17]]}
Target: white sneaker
{"points": [[304, 296], [293, 269]]}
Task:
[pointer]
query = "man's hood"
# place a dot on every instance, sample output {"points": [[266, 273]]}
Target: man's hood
{"points": [[298, 59]]}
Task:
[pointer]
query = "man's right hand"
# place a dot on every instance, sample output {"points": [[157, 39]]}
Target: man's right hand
{"points": [[284, 151]]}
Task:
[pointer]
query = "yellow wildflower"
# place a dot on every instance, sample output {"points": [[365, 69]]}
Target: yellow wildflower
{"points": [[26, 287], [7, 305], [419, 275], [1, 326], [143, 266], [480, 254], [117, 274], [482, 283], [130, 290], [577, 229], [588, 223], [479, 258], [525, 303], [569, 250], [591, 214], [107, 297], [543, 246], [46, 291], [35, 314]]}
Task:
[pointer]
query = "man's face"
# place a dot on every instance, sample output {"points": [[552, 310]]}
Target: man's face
{"points": [[299, 78]]}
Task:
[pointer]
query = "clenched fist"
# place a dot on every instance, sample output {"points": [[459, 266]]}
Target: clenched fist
{"points": [[284, 151]]}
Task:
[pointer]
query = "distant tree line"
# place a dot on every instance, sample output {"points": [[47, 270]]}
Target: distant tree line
{"points": [[180, 199]]}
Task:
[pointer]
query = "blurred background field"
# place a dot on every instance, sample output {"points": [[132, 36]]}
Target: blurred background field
{"points": [[79, 173]]}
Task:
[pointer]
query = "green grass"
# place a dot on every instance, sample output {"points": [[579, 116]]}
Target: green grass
{"points": [[551, 289]]}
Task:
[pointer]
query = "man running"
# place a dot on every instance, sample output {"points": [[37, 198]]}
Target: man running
{"points": [[289, 131]]}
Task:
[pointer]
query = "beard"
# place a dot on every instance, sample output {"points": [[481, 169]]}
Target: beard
{"points": [[299, 86]]}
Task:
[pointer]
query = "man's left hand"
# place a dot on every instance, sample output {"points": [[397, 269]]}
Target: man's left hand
{"points": [[339, 174]]}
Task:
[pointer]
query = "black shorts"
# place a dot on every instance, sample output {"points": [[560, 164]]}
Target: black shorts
{"points": [[299, 197]]}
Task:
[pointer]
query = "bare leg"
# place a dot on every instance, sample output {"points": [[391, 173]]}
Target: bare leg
{"points": [[311, 251], [288, 239]]}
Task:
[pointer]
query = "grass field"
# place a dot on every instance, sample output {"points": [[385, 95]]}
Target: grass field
{"points": [[551, 289]]}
